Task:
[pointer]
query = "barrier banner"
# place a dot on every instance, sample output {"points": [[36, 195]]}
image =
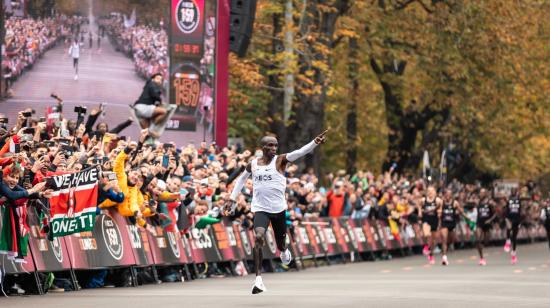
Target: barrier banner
{"points": [[167, 248], [409, 235], [48, 255], [225, 242], [344, 238], [317, 238], [243, 249], [384, 233], [371, 232], [139, 240], [108, 245], [359, 238], [321, 235], [203, 246], [303, 244]]}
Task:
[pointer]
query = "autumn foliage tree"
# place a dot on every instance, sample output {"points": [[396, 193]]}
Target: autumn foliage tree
{"points": [[395, 78]]}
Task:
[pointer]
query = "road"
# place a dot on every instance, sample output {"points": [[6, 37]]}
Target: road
{"points": [[401, 282]]}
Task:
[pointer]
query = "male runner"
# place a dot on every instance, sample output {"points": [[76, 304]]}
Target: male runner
{"points": [[268, 199], [545, 216], [74, 52], [512, 217], [485, 216], [448, 216], [428, 208]]}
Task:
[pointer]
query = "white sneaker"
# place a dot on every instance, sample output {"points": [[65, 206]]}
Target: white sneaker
{"points": [[286, 257], [17, 289], [75, 77], [258, 286], [444, 260]]}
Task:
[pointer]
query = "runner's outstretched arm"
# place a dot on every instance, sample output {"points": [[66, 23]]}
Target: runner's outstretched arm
{"points": [[308, 148]]}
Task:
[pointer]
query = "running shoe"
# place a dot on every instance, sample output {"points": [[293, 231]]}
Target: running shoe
{"points": [[286, 257], [258, 286], [514, 258], [431, 260], [482, 262], [507, 246], [75, 77], [426, 250], [444, 260]]}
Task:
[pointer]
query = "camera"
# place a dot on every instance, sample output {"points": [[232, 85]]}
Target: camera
{"points": [[27, 114], [80, 109]]}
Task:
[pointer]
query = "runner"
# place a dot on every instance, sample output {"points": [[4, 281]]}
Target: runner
{"points": [[148, 108], [485, 216], [448, 216], [545, 216], [74, 52], [512, 218], [428, 208], [268, 200]]}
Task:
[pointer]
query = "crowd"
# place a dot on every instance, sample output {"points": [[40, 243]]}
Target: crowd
{"points": [[146, 45], [27, 39], [176, 187]]}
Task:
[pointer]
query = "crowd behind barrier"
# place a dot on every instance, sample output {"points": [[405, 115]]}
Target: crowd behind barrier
{"points": [[159, 204], [27, 39], [146, 45]]}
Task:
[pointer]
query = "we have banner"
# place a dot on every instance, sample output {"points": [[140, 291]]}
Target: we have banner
{"points": [[73, 203]]}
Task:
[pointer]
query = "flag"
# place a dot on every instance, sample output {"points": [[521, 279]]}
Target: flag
{"points": [[443, 167], [426, 165], [73, 203]]}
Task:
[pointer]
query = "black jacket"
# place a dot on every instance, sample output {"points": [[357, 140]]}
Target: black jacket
{"points": [[151, 94]]}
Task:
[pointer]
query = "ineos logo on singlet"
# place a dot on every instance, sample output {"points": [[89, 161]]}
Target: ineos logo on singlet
{"points": [[265, 177]]}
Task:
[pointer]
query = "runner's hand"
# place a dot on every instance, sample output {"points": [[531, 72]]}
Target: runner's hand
{"points": [[322, 137], [229, 207]]}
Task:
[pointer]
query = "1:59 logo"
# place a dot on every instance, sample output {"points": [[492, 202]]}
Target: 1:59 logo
{"points": [[187, 16]]}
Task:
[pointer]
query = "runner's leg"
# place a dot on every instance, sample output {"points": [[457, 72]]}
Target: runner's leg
{"points": [[278, 222], [261, 222]]}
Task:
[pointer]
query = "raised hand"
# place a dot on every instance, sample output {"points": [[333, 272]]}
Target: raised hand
{"points": [[322, 137]]}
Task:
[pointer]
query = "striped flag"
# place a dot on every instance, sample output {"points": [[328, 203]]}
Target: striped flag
{"points": [[73, 203]]}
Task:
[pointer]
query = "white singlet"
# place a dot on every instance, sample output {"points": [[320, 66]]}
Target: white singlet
{"points": [[269, 188]]}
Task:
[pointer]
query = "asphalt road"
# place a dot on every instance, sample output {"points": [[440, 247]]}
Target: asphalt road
{"points": [[401, 282]]}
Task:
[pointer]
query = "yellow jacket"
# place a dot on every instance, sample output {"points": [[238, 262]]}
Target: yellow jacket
{"points": [[130, 205]]}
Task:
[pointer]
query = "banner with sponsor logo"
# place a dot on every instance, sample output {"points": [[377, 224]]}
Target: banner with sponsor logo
{"points": [[74, 201], [48, 255], [107, 245], [169, 248]]}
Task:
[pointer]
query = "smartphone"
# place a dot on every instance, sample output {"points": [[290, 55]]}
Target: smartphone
{"points": [[165, 161], [111, 176], [29, 130]]}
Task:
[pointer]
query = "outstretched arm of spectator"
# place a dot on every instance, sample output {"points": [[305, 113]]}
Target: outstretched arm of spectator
{"points": [[240, 182], [91, 121], [121, 127]]}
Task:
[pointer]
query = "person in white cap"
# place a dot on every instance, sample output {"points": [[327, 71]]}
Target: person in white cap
{"points": [[268, 200]]}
